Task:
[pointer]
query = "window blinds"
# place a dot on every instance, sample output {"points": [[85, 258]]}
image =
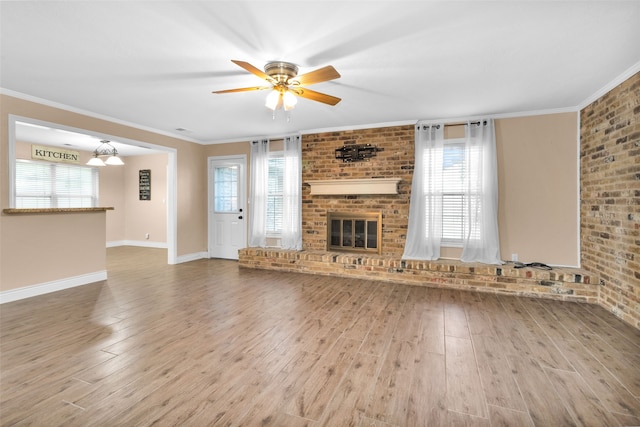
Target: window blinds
{"points": [[55, 185], [275, 193]]}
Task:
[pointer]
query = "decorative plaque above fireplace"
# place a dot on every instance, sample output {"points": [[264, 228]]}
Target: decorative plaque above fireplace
{"points": [[357, 152]]}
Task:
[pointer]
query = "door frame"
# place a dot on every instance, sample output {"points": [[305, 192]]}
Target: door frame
{"points": [[242, 196]]}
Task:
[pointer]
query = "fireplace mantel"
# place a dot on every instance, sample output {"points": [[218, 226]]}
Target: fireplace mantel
{"points": [[354, 186]]}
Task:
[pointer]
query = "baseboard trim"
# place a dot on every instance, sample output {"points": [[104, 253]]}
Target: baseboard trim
{"points": [[140, 243], [191, 257], [159, 245], [53, 286]]}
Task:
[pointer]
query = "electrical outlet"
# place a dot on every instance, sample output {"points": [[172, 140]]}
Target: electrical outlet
{"points": [[514, 257], [146, 236]]}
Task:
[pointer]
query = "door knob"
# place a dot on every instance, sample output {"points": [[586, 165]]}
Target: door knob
{"points": [[240, 217]]}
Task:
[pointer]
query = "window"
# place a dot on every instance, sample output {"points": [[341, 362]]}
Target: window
{"points": [[275, 193], [455, 198], [226, 189], [275, 197], [454, 194], [55, 185]]}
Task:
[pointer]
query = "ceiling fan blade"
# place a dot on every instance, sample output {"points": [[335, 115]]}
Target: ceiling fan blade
{"points": [[316, 96], [242, 89], [320, 75], [253, 70]]}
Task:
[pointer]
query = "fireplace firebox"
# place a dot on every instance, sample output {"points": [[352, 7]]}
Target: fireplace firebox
{"points": [[354, 232]]}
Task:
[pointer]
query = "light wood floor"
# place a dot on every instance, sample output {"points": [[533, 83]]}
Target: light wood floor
{"points": [[206, 343]]}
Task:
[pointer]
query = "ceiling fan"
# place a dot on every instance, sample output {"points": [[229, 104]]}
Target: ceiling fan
{"points": [[286, 84]]}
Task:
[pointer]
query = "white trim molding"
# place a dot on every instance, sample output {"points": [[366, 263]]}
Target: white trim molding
{"points": [[53, 104], [192, 257], [53, 286], [140, 243], [611, 85]]}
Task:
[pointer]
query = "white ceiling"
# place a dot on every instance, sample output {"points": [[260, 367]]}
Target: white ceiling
{"points": [[154, 63]]}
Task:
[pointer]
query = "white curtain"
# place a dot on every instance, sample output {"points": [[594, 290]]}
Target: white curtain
{"points": [[481, 241], [424, 232], [258, 189], [291, 237]]}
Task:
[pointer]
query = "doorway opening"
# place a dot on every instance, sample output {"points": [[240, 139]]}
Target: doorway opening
{"points": [[18, 124]]}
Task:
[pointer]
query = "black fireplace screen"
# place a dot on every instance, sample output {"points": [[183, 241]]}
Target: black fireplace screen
{"points": [[355, 232]]}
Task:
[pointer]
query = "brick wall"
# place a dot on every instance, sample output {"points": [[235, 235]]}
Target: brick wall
{"points": [[610, 197], [395, 161]]}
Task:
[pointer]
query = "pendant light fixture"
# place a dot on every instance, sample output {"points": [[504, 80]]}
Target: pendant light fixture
{"points": [[105, 149]]}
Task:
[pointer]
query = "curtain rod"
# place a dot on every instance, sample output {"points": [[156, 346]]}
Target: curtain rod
{"points": [[464, 124], [459, 124], [276, 139]]}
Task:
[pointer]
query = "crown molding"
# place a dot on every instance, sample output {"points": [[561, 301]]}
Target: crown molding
{"points": [[572, 109], [359, 127], [635, 68], [312, 131], [35, 99]]}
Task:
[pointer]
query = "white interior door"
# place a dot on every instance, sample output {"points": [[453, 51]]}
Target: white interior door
{"points": [[227, 210]]}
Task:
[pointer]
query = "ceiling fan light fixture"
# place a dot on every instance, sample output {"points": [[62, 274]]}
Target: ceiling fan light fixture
{"points": [[273, 99], [289, 100], [286, 85]]}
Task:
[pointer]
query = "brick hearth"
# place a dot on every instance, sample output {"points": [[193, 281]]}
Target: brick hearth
{"points": [[560, 283]]}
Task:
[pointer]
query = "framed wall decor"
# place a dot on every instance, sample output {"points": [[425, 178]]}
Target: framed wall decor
{"points": [[144, 179]]}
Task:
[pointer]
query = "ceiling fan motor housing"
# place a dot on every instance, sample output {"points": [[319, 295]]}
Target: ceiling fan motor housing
{"points": [[281, 72]]}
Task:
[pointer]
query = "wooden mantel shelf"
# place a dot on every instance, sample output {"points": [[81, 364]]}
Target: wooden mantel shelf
{"points": [[14, 211], [354, 186]]}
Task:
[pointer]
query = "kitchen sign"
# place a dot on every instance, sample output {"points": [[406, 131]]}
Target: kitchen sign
{"points": [[53, 154]]}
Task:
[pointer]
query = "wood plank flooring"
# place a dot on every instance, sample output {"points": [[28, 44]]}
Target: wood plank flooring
{"points": [[207, 343]]}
